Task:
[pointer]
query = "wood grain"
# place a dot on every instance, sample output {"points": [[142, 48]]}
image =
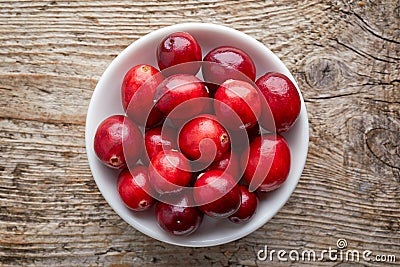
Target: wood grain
{"points": [[345, 56]]}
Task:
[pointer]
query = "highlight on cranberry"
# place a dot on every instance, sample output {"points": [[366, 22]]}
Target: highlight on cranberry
{"points": [[158, 139], [227, 62], [134, 188], [282, 99], [112, 135], [228, 162], [169, 171], [176, 90], [189, 146], [235, 97], [138, 88], [204, 139], [266, 162], [217, 194], [176, 49], [247, 207], [181, 218]]}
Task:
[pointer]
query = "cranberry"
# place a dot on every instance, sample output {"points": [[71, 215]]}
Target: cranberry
{"points": [[204, 139], [247, 208], [180, 219], [169, 171], [226, 62], [237, 104], [283, 101], [157, 139], [178, 48], [118, 141], [229, 162], [137, 90], [178, 90], [268, 162], [217, 194], [134, 188]]}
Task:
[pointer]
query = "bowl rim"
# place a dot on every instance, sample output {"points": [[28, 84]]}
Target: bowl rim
{"points": [[189, 27]]}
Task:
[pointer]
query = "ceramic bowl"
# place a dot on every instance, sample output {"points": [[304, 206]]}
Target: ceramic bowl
{"points": [[106, 101]]}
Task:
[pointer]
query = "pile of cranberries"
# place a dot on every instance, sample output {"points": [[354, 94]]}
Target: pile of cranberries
{"points": [[193, 146]]}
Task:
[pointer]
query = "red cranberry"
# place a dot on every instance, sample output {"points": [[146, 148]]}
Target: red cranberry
{"points": [[169, 171], [268, 162], [118, 141], [217, 194], [178, 48], [157, 139], [283, 100], [134, 188], [179, 89], [237, 104], [137, 90], [229, 162], [204, 139], [227, 62], [180, 219], [247, 208]]}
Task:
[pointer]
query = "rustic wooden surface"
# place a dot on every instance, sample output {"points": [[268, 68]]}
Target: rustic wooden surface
{"points": [[345, 56]]}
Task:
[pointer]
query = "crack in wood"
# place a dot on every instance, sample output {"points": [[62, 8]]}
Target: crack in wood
{"points": [[332, 96], [384, 144], [369, 29], [362, 53]]}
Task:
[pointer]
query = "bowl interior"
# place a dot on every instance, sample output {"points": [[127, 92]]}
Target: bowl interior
{"points": [[106, 100]]}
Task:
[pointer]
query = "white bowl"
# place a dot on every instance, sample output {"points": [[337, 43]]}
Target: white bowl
{"points": [[106, 100]]}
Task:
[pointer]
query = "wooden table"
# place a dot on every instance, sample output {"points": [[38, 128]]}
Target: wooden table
{"points": [[345, 56]]}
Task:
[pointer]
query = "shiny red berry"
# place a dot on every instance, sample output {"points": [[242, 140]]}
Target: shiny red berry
{"points": [[134, 188], [169, 171], [217, 194], [229, 162], [137, 92], [204, 139], [237, 104], [268, 162], [247, 208], [283, 103], [227, 62], [179, 219], [181, 92], [157, 139], [118, 141], [178, 48]]}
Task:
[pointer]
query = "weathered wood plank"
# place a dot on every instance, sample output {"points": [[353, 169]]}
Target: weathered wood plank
{"points": [[345, 56]]}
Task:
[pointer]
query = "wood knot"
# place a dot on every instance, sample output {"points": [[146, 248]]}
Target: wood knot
{"points": [[385, 145], [323, 73]]}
